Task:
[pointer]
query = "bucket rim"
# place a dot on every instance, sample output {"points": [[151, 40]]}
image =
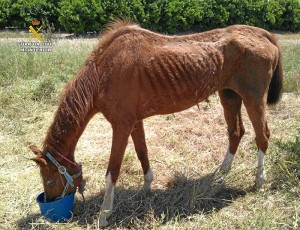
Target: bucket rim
{"points": [[41, 195]]}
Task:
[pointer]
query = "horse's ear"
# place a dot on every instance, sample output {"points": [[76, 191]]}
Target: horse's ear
{"points": [[40, 161], [35, 150], [39, 156]]}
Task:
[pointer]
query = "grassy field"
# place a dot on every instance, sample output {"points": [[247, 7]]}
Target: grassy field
{"points": [[184, 149]]}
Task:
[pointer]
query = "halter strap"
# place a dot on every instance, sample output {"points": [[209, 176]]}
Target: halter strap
{"points": [[62, 170]]}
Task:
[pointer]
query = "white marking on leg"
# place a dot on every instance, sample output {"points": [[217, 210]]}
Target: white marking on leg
{"points": [[261, 173], [107, 204], [148, 178], [227, 162]]}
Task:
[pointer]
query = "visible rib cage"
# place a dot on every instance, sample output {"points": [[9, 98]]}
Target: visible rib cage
{"points": [[180, 77]]}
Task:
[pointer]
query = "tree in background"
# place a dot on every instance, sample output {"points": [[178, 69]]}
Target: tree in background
{"points": [[274, 14], [153, 10], [215, 14], [168, 16], [23, 12], [291, 15], [5, 6], [81, 15], [92, 15], [177, 15], [237, 10]]}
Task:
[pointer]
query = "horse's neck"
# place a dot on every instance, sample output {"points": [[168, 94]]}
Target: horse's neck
{"points": [[74, 112], [65, 131]]}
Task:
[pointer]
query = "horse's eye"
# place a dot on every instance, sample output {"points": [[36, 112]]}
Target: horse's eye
{"points": [[50, 183]]}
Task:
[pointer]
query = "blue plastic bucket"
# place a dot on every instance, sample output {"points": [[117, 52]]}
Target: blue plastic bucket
{"points": [[58, 210]]}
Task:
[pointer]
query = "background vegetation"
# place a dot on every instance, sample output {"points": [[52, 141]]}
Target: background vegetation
{"points": [[160, 15]]}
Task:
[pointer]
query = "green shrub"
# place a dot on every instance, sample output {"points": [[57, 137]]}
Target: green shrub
{"points": [[215, 14], [5, 6], [115, 9], [153, 10], [81, 15], [238, 11], [160, 15], [23, 12], [177, 15], [274, 12], [291, 15], [137, 12]]}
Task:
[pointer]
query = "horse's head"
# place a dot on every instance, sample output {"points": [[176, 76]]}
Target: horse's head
{"points": [[57, 181]]}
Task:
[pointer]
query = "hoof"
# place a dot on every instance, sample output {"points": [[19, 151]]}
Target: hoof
{"points": [[146, 186], [102, 221], [260, 181], [220, 180], [104, 214], [259, 185], [220, 175]]}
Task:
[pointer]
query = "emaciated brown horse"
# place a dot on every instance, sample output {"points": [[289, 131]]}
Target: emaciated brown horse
{"points": [[134, 73]]}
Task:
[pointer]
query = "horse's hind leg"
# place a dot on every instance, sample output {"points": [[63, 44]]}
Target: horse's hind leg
{"points": [[231, 103], [257, 113], [138, 137]]}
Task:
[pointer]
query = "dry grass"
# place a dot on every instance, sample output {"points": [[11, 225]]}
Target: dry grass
{"points": [[288, 36], [185, 149]]}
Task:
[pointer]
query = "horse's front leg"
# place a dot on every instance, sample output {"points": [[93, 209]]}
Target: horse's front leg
{"points": [[138, 137], [121, 134]]}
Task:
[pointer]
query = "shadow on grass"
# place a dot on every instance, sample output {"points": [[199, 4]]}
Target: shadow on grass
{"points": [[135, 208]]}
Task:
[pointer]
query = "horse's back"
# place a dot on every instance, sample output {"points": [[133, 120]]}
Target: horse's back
{"points": [[156, 74]]}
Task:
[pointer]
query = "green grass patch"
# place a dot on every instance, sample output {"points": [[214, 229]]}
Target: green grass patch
{"points": [[291, 66], [287, 165], [28, 77]]}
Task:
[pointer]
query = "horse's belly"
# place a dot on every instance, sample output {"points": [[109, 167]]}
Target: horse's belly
{"points": [[168, 103]]}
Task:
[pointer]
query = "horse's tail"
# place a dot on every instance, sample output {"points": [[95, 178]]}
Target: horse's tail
{"points": [[275, 87]]}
